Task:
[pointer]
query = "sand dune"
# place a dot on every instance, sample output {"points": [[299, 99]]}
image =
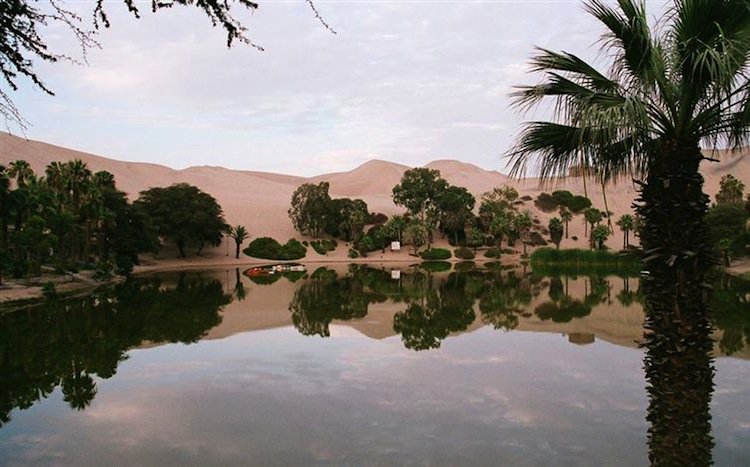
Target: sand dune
{"points": [[260, 200]]}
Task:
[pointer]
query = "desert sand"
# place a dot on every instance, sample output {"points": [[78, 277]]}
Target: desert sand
{"points": [[260, 200]]}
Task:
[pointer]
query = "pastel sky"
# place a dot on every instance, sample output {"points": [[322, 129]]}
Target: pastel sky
{"points": [[405, 81]]}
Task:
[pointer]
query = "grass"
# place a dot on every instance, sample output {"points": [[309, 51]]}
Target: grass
{"points": [[549, 261]]}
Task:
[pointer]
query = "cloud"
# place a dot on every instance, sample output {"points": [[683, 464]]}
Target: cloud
{"points": [[406, 81]]}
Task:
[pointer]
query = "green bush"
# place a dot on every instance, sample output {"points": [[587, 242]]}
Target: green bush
{"points": [[268, 248], [578, 204], [323, 246], [436, 266], [353, 253], [546, 202], [435, 254], [463, 253], [578, 261], [493, 252]]}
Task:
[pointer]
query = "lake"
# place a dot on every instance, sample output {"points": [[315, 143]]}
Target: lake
{"points": [[381, 365]]}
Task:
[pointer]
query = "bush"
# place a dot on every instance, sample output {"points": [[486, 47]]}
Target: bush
{"points": [[323, 246], [353, 253], [574, 238], [434, 254], [537, 239], [466, 266], [436, 266], [493, 252], [376, 218], [578, 204], [562, 197], [546, 202], [268, 248], [463, 253], [553, 261]]}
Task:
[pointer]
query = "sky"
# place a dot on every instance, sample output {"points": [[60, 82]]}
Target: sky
{"points": [[404, 81]]}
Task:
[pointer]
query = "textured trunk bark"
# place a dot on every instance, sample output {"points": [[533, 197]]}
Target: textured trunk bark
{"points": [[677, 254]]}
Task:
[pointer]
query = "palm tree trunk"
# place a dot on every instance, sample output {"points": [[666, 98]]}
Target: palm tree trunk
{"points": [[677, 362], [606, 207]]}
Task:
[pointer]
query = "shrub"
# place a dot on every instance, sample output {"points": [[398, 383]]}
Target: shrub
{"points": [[268, 248], [376, 218], [562, 197], [493, 252], [525, 198], [466, 266], [323, 246], [463, 253], [537, 239], [436, 266], [574, 238], [353, 253], [546, 202], [578, 204], [434, 254]]}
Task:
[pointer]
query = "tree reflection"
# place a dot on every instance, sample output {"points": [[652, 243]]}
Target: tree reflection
{"points": [[679, 373], [69, 342]]}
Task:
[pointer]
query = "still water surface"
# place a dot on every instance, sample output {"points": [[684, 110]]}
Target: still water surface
{"points": [[353, 366]]}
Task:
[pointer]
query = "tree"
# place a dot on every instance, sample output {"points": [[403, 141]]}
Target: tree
{"points": [[522, 227], [668, 91], [599, 235], [626, 224], [239, 234], [566, 216], [501, 226], [416, 234], [184, 214], [555, 231], [21, 171], [419, 190], [455, 205], [22, 44], [311, 207], [474, 238], [731, 190], [395, 227], [593, 217]]}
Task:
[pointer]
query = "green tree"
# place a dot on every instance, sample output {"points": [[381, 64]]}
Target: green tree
{"points": [[668, 91], [419, 190], [566, 216], [395, 227], [593, 217], [416, 234], [239, 234], [522, 227], [731, 190], [474, 238], [311, 207], [455, 206], [184, 214], [21, 171], [599, 235], [555, 231], [626, 224]]}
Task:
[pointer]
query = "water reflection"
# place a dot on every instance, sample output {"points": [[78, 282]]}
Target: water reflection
{"points": [[67, 343], [73, 344]]}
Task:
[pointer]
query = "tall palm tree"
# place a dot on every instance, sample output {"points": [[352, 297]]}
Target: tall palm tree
{"points": [[566, 216], [239, 234], [668, 91], [625, 223]]}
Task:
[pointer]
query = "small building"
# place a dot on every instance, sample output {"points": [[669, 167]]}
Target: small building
{"points": [[396, 246]]}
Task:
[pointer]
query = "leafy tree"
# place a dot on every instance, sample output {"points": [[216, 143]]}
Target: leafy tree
{"points": [[599, 235], [419, 190], [311, 207], [522, 227], [23, 45], [556, 231], [626, 223], [593, 217], [455, 205], [731, 190], [239, 234], [475, 238], [727, 222], [416, 234], [184, 214], [395, 227]]}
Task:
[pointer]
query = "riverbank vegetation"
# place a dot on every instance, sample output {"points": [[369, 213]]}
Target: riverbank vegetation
{"points": [[71, 218]]}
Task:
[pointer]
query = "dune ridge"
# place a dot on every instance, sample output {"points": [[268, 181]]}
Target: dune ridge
{"points": [[260, 200]]}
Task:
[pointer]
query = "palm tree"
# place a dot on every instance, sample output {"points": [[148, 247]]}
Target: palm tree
{"points": [[566, 216], [239, 234], [625, 223], [667, 92], [21, 171], [592, 217]]}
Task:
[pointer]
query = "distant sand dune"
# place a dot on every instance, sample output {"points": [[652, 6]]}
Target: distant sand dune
{"points": [[260, 200]]}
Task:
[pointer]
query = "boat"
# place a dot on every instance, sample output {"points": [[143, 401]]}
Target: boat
{"points": [[275, 269]]}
